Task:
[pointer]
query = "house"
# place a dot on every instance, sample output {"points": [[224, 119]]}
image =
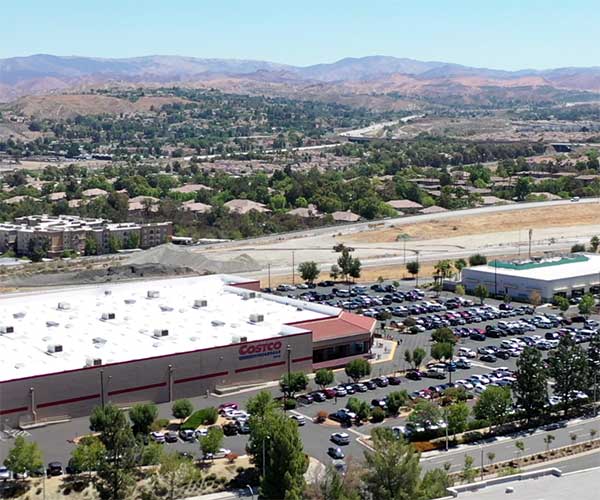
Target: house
{"points": [[18, 199], [245, 206], [196, 207], [407, 206], [494, 200], [76, 203], [433, 209], [305, 213], [61, 195], [345, 216], [94, 193], [191, 188]]}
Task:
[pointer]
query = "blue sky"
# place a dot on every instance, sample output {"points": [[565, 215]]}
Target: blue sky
{"points": [[507, 34]]}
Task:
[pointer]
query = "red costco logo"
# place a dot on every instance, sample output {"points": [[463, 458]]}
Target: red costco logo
{"points": [[249, 351]]}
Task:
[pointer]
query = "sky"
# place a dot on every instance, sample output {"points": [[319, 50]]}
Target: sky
{"points": [[503, 34]]}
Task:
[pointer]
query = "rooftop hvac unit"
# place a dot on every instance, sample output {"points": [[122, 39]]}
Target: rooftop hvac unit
{"points": [[107, 316], [53, 348], [6, 329], [250, 295], [107, 292], [217, 322], [93, 361], [158, 333], [243, 339], [153, 294], [50, 324], [129, 301], [200, 303], [64, 306], [165, 308], [257, 318], [19, 315], [99, 340]]}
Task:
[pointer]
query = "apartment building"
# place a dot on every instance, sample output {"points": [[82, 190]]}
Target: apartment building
{"points": [[70, 233]]}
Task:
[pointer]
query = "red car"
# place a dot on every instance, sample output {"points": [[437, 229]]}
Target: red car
{"points": [[329, 393], [228, 406]]}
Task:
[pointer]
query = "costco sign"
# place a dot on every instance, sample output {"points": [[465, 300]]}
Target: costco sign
{"points": [[261, 350]]}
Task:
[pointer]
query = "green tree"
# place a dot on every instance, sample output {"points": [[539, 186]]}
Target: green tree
{"points": [[37, 249], [261, 405], [392, 470], [459, 265], [175, 472], [520, 446], [334, 272], [334, 485], [132, 241], [494, 405], [344, 262], [523, 188], [142, 415], [481, 292], [23, 457], [594, 243], [309, 271], [182, 409], [91, 247], [292, 383], [413, 267], [435, 484], [469, 473], [578, 248], [561, 302], [211, 443], [457, 416], [548, 441], [324, 377], [357, 369], [396, 400], [587, 304], [459, 290], [114, 244], [477, 260], [115, 471], [88, 454], [443, 335], [531, 387], [442, 350], [425, 412], [568, 366], [355, 268]]}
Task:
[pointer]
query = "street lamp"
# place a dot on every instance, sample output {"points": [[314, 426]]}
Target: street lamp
{"points": [[264, 456], [289, 369]]}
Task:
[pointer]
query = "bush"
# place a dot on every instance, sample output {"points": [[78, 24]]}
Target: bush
{"points": [[477, 424], [423, 446], [205, 416], [322, 416], [377, 415], [159, 423], [289, 404], [469, 437]]}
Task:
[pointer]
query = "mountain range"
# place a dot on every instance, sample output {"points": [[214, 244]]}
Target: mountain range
{"points": [[42, 73]]}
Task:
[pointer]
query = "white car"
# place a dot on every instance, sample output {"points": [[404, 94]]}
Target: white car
{"points": [[468, 353], [202, 432], [466, 384], [222, 453], [158, 437], [5, 474], [299, 419], [479, 388], [236, 414]]}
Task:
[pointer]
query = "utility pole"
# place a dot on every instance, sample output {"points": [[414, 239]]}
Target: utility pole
{"points": [[293, 268], [102, 388], [481, 447], [269, 268], [530, 236], [417, 280], [495, 278]]}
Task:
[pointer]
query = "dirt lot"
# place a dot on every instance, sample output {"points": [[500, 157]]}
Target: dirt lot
{"points": [[573, 215]]}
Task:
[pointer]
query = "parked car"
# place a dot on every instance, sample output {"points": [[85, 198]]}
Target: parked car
{"points": [[336, 453], [340, 438], [158, 437], [171, 437], [187, 435], [299, 419], [54, 469], [5, 473], [330, 393], [395, 380], [414, 375], [230, 429]]}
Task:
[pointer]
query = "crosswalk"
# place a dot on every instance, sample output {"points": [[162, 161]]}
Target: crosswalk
{"points": [[7, 434]]}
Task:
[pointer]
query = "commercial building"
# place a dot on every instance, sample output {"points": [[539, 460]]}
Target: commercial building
{"points": [[565, 275], [65, 352], [70, 233]]}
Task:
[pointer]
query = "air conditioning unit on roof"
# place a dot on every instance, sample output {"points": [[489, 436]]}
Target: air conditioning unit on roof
{"points": [[257, 318], [153, 294], [249, 295], [158, 333], [107, 316], [200, 303], [6, 329], [129, 301], [54, 348], [64, 306], [93, 362]]}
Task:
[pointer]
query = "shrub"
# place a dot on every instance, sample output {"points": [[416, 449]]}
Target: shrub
{"points": [[322, 416], [377, 415], [205, 416], [289, 404], [469, 437], [231, 457], [477, 424], [159, 423]]}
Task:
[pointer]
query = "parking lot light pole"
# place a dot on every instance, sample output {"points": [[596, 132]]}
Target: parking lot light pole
{"points": [[481, 448], [264, 457]]}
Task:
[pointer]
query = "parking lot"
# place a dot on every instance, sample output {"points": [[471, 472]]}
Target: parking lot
{"points": [[490, 339]]}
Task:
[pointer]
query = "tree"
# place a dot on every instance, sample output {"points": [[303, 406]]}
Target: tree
{"points": [[535, 299], [355, 268], [309, 271], [261, 405], [88, 454], [469, 473], [210, 444], [334, 273], [37, 249], [344, 262], [568, 366], [142, 415], [175, 472], [493, 405], [132, 241], [443, 335], [531, 386], [457, 416], [459, 265], [442, 350], [334, 485], [114, 244], [23, 457], [435, 484], [396, 400], [91, 247], [443, 269], [561, 302], [425, 412], [324, 377], [292, 383], [182, 409], [594, 243], [587, 304], [115, 471], [520, 446], [477, 260], [392, 468], [577, 248], [408, 356], [491, 456], [413, 267], [459, 290], [548, 438], [481, 292], [357, 369]]}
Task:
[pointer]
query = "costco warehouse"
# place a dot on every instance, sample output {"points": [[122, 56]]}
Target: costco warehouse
{"points": [[565, 275], [67, 351]]}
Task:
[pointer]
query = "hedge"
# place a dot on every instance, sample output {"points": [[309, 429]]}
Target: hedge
{"points": [[205, 416]]}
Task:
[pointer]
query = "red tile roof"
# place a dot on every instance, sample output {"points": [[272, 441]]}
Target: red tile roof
{"points": [[344, 325]]}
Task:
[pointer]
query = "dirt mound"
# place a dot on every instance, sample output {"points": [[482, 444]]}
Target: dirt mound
{"points": [[193, 258]]}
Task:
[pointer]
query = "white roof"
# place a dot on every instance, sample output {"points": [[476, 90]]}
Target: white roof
{"points": [[130, 335], [549, 272]]}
